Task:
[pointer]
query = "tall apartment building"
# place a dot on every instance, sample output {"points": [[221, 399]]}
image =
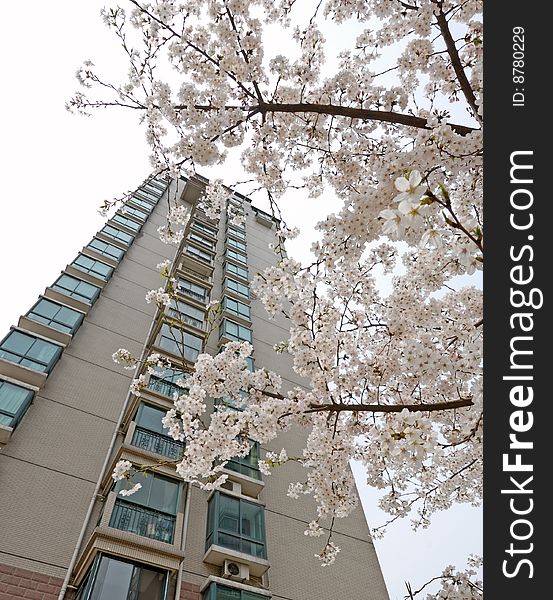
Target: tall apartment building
{"points": [[67, 416]]}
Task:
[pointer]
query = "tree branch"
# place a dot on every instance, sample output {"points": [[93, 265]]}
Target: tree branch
{"points": [[357, 113], [456, 61], [389, 408]]}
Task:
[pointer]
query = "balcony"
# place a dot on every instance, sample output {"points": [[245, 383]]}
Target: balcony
{"points": [[143, 521], [158, 443], [195, 273]]}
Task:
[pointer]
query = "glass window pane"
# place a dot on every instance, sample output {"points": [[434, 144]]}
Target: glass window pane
{"points": [[151, 585], [252, 521], [227, 593], [13, 401], [150, 417], [18, 343], [112, 580], [164, 494], [43, 351], [229, 514]]}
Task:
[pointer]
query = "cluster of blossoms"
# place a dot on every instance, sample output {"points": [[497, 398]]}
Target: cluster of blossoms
{"points": [[159, 296], [460, 585], [385, 323]]}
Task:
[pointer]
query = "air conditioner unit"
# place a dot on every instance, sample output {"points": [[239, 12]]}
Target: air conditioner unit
{"points": [[236, 570]]}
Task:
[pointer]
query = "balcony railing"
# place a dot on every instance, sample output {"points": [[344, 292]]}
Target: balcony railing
{"points": [[143, 521], [243, 469], [165, 388], [157, 442], [192, 294], [195, 273]]}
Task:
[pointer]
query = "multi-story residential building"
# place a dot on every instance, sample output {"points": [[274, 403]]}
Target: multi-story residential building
{"points": [[67, 416]]}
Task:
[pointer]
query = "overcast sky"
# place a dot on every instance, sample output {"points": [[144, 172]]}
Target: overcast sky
{"points": [[57, 169]]}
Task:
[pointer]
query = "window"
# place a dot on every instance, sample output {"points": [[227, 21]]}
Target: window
{"points": [[117, 234], [236, 287], [150, 187], [232, 243], [234, 331], [204, 228], [200, 239], [77, 288], [180, 342], [230, 253], [146, 205], [115, 579], [106, 249], [149, 195], [149, 512], [232, 230], [236, 524], [92, 267], [129, 210], [29, 351], [236, 270], [187, 313], [247, 465], [126, 222], [237, 308], [55, 315], [14, 401], [193, 290], [149, 433], [201, 255], [165, 382], [216, 591]]}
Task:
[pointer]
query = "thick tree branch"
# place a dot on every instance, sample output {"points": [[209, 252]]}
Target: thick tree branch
{"points": [[389, 408], [456, 61], [357, 113]]}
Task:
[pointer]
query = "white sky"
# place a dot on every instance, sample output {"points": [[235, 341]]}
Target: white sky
{"points": [[57, 169]]}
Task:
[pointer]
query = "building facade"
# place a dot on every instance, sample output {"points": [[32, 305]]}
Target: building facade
{"points": [[67, 416]]}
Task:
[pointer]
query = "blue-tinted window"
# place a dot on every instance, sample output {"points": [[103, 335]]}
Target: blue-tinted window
{"points": [[235, 331], [30, 351], [106, 249], [126, 222], [236, 524], [233, 269], [236, 307], [93, 267], [117, 234], [230, 253], [55, 315], [236, 287], [237, 245], [14, 401], [76, 288], [180, 342]]}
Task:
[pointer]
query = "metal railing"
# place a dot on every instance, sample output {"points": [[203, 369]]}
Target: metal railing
{"points": [[143, 521], [165, 388], [157, 442]]}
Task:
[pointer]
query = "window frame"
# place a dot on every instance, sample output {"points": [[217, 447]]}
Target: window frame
{"points": [[89, 302], [214, 586], [148, 206], [199, 254], [118, 258], [176, 313], [213, 523], [49, 365], [223, 331], [238, 283], [72, 329], [237, 233], [205, 298], [228, 269], [117, 237], [119, 217], [90, 271], [232, 254], [15, 416], [225, 302], [89, 581], [236, 245], [203, 241], [178, 351], [205, 229]]}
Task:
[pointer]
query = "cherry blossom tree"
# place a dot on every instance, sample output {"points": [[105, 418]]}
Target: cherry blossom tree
{"points": [[393, 378]]}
